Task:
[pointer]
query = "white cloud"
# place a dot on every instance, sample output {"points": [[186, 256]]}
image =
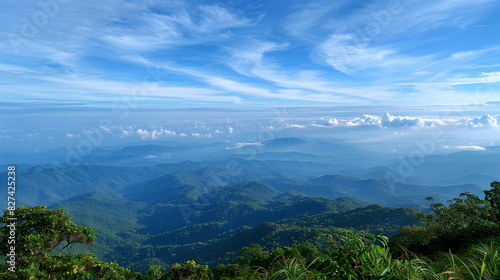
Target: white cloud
{"points": [[32, 134], [200, 135], [388, 120], [125, 134], [241, 145], [155, 134], [69, 135], [325, 122], [485, 121], [105, 129], [371, 120], [294, 126], [466, 148], [392, 121]]}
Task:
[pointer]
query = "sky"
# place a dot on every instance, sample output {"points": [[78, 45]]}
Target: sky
{"points": [[362, 71], [250, 53]]}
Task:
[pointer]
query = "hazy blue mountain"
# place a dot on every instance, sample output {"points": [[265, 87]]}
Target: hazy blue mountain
{"points": [[58, 155], [284, 142], [377, 191], [48, 185], [453, 166], [313, 157], [156, 152], [477, 179]]}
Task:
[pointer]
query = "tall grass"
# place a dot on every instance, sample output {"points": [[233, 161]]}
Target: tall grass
{"points": [[357, 256]]}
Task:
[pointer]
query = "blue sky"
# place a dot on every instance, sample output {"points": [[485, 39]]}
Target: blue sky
{"points": [[374, 73], [250, 53]]}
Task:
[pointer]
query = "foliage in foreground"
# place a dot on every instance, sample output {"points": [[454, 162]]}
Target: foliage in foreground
{"points": [[465, 220], [38, 231], [351, 255], [468, 227]]}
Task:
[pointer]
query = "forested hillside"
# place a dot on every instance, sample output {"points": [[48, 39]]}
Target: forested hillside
{"points": [[458, 241], [238, 215]]}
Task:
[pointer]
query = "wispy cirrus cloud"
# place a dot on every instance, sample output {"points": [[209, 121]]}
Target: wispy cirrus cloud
{"points": [[306, 18], [345, 55], [181, 27], [251, 61], [312, 52], [14, 68], [247, 89]]}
